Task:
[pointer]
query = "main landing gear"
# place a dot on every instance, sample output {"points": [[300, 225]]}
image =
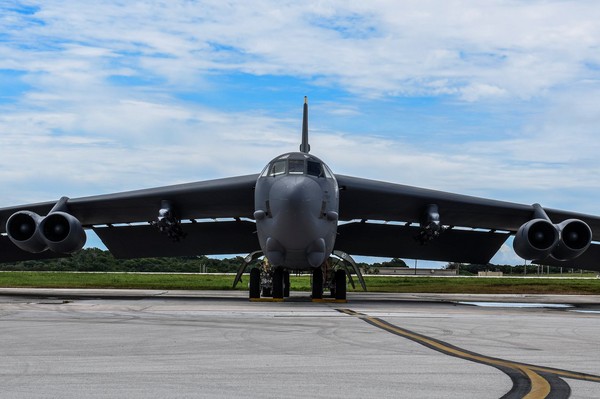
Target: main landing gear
{"points": [[336, 281], [274, 282]]}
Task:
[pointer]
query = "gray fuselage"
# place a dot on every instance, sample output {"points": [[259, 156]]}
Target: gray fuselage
{"points": [[296, 211]]}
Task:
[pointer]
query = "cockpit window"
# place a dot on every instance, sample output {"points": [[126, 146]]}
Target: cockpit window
{"points": [[265, 171], [277, 168], [314, 168], [309, 166], [296, 166]]}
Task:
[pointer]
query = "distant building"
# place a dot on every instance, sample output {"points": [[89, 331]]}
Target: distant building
{"points": [[490, 274]]}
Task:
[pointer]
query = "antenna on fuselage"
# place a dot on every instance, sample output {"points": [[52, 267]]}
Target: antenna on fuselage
{"points": [[305, 147]]}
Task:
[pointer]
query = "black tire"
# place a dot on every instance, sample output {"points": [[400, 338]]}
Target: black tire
{"points": [[340, 284], [254, 283], [317, 283], [286, 284], [278, 283]]}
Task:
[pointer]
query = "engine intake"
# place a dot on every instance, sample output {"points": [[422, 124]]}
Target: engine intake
{"points": [[575, 239], [539, 238], [62, 232], [535, 239], [59, 232], [23, 230]]}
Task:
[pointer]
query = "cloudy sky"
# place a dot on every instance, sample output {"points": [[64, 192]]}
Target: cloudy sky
{"points": [[499, 99]]}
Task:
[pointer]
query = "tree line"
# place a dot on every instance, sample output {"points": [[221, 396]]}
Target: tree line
{"points": [[97, 260]]}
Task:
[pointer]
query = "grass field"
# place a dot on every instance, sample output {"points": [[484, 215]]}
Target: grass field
{"points": [[456, 285]]}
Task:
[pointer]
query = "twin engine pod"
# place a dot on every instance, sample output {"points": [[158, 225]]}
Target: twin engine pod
{"points": [[539, 238], [59, 231]]}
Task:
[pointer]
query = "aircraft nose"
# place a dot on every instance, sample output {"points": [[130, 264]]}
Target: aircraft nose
{"points": [[296, 194]]}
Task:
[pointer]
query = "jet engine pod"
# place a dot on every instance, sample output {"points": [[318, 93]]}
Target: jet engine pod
{"points": [[23, 230], [62, 232], [575, 238], [535, 239]]}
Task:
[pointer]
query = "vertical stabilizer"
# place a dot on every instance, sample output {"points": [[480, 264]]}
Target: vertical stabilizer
{"points": [[305, 147]]}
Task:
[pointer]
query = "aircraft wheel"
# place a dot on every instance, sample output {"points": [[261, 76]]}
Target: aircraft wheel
{"points": [[340, 284], [286, 283], [317, 283], [278, 283], [254, 283]]}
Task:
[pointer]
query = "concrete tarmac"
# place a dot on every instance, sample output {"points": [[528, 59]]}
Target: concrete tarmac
{"points": [[210, 344]]}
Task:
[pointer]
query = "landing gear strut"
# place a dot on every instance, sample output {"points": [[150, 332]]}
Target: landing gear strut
{"points": [[340, 284], [278, 283], [286, 283], [317, 283], [254, 283]]}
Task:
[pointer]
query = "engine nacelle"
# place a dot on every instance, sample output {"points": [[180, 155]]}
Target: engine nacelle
{"points": [[23, 230], [59, 231], [62, 232], [536, 239], [575, 239]]}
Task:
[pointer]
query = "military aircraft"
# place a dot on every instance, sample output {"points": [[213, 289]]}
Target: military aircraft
{"points": [[297, 214]]}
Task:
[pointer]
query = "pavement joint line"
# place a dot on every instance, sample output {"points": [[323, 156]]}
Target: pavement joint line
{"points": [[542, 382]]}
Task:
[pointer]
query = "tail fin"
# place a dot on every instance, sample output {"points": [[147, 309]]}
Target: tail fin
{"points": [[305, 147]]}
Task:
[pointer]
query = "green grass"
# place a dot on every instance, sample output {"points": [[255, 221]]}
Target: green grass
{"points": [[116, 280], [456, 285], [484, 285]]}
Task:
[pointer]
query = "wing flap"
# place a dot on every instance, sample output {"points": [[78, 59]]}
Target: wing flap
{"points": [[397, 241], [208, 238]]}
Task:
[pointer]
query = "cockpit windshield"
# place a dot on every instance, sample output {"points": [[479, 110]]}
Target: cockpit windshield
{"points": [[308, 166], [314, 168], [296, 166], [277, 168]]}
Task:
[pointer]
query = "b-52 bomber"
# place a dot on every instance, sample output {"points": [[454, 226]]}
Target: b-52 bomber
{"points": [[298, 214]]}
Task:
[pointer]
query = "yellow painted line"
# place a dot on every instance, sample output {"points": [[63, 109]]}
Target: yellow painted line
{"points": [[266, 299], [329, 300], [350, 312], [540, 387], [567, 374]]}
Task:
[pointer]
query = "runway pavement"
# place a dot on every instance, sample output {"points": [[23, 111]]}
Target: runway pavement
{"points": [[120, 343]]}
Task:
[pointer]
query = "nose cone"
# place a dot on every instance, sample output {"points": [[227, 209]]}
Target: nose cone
{"points": [[296, 196]]}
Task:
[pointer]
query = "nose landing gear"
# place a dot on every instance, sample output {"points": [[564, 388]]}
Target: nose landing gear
{"points": [[269, 281]]}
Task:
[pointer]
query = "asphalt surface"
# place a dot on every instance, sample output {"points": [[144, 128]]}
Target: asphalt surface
{"points": [[121, 343]]}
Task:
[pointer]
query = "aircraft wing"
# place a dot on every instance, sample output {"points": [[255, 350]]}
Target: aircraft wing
{"points": [[111, 215], [479, 226]]}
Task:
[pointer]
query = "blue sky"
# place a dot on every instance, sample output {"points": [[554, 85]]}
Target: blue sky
{"points": [[496, 99]]}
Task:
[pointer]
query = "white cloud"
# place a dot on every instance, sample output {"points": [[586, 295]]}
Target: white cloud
{"points": [[515, 48], [103, 110]]}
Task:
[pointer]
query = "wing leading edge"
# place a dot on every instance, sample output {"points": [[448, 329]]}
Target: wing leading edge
{"points": [[370, 200], [229, 198]]}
